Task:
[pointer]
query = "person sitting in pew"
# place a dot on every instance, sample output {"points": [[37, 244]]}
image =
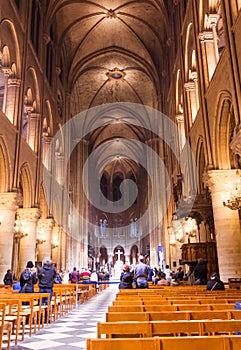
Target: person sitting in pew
{"points": [[126, 278], [215, 283], [163, 281]]}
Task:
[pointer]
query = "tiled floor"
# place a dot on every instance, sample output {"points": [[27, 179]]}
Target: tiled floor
{"points": [[70, 332]]}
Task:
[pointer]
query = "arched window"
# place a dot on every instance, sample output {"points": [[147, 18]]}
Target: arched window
{"points": [[104, 188], [25, 124], [220, 32], [49, 58], [2, 80], [35, 25], [116, 188]]}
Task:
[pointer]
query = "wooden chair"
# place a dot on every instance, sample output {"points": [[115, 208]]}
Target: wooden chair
{"points": [[4, 326]]}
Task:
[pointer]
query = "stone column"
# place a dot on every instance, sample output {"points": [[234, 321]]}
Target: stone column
{"points": [[227, 225], [6, 72], [8, 206], [13, 99], [209, 54], [190, 88], [83, 210], [46, 158], [33, 130], [181, 129], [44, 249], [55, 240], [28, 244]]}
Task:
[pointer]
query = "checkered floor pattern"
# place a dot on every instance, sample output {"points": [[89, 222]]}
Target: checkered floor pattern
{"points": [[71, 332]]}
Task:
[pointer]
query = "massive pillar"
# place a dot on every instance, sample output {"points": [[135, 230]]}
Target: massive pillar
{"points": [[45, 226], [227, 225], [8, 206], [28, 243]]}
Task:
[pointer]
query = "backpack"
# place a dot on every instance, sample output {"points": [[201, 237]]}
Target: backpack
{"points": [[26, 275]]}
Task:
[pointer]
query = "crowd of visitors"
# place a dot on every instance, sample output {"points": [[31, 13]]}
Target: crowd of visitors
{"points": [[141, 274], [131, 276]]}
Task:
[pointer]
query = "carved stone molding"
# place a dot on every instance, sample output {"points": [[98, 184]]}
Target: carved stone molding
{"points": [[10, 200], [29, 214]]}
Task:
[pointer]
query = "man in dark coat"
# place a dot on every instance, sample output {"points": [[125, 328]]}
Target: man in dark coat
{"points": [[215, 283], [200, 272], [46, 276]]}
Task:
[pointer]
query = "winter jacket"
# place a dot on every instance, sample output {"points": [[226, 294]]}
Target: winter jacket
{"points": [[126, 280], [216, 284], [46, 276], [8, 279]]}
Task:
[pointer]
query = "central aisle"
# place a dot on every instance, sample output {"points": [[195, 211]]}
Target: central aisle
{"points": [[70, 332]]}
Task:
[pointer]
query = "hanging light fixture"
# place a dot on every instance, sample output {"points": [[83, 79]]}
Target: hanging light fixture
{"points": [[20, 229], [232, 196]]}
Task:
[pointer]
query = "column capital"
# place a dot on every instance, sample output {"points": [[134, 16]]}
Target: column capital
{"points": [[215, 179], [212, 19], [29, 214], [206, 36], [6, 71], [10, 200], [179, 118], [189, 85], [14, 82], [46, 224]]}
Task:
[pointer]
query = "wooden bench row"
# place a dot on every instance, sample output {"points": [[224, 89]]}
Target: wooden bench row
{"points": [[167, 343], [168, 328], [179, 307], [157, 301], [173, 316]]}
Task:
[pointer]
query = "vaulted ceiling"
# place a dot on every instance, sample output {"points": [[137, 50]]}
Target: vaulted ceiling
{"points": [[96, 36], [111, 51]]}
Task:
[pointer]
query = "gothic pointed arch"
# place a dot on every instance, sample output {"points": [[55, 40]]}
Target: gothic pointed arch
{"points": [[5, 166], [26, 185], [224, 131]]}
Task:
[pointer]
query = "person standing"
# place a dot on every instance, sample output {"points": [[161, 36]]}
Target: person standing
{"points": [[28, 278], [74, 276], [8, 278], [126, 278], [46, 276], [141, 273], [200, 272]]}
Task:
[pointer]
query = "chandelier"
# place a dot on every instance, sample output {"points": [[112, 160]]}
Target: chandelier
{"points": [[232, 196], [20, 229]]}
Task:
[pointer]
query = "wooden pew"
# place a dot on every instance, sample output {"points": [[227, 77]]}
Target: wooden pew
{"points": [[166, 343], [164, 328], [173, 316], [179, 307]]}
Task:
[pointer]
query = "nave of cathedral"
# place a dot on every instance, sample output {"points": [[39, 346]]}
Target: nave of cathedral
{"points": [[120, 134]]}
